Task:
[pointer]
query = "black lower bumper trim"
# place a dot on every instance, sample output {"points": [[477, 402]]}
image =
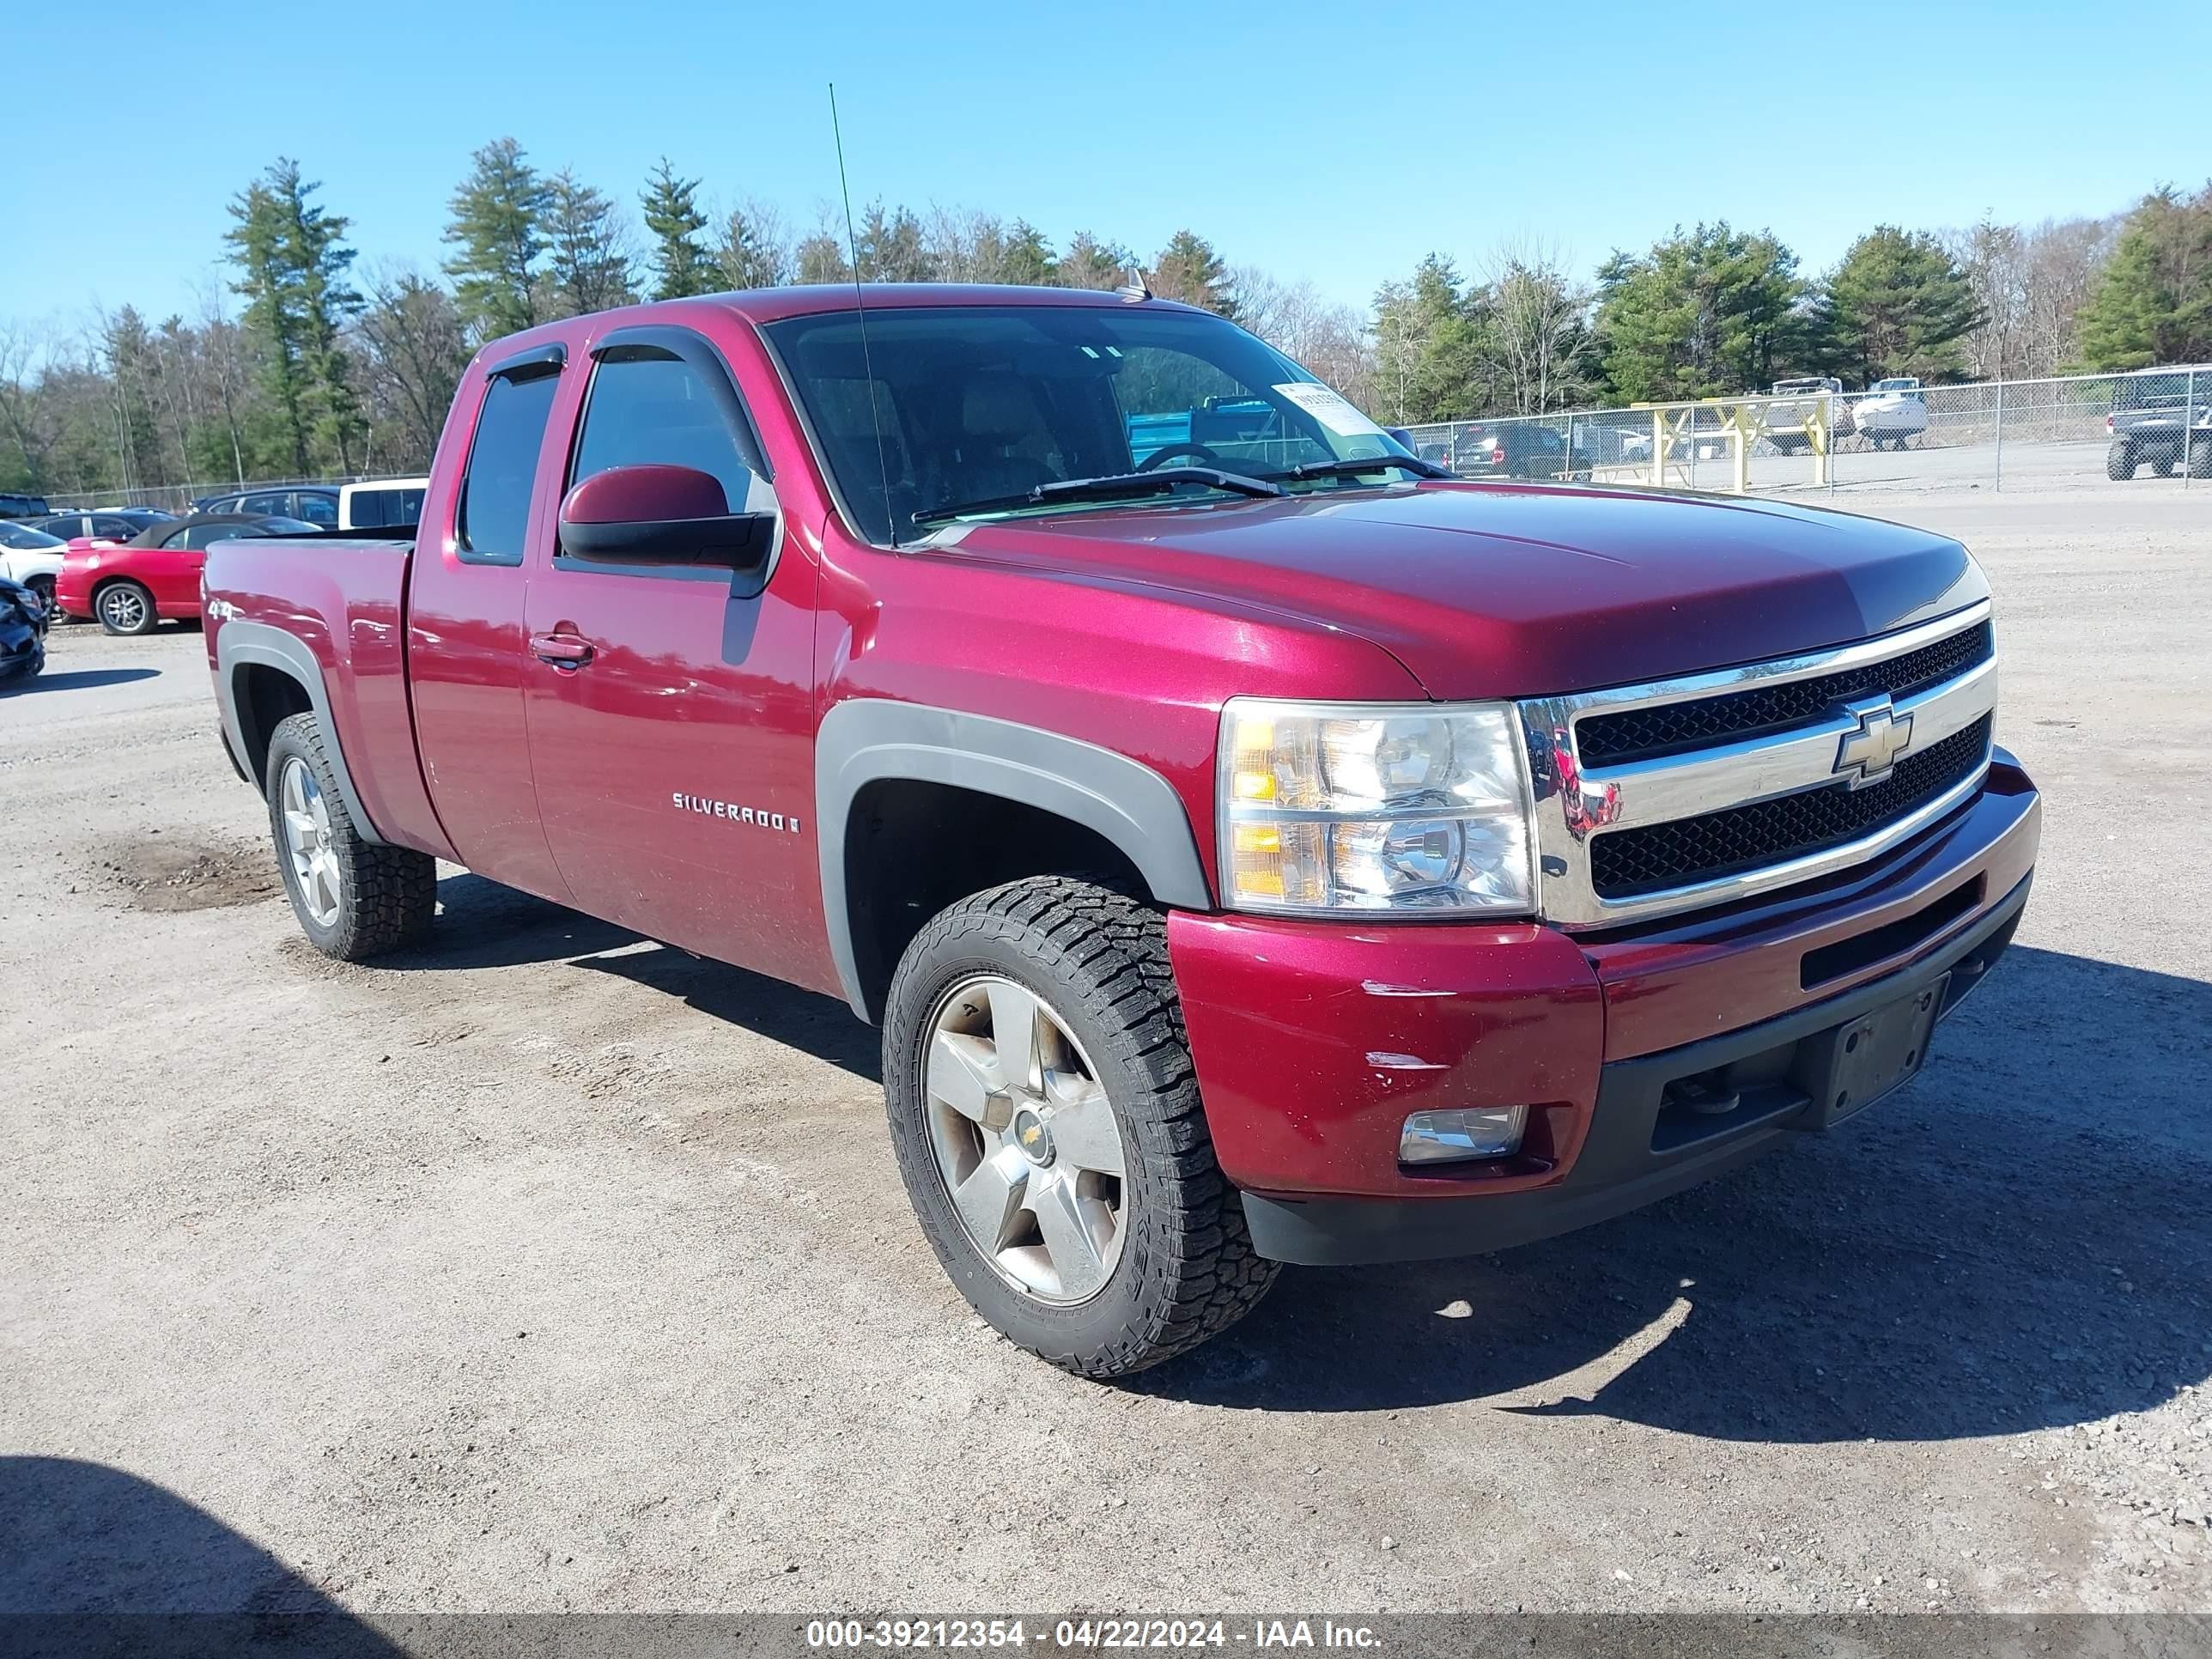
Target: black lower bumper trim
{"points": [[1641, 1148]]}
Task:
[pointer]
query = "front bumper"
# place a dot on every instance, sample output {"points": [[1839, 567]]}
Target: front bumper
{"points": [[1643, 1145], [1313, 1041]]}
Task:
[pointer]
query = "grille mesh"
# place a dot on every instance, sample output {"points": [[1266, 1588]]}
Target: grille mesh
{"points": [[1643, 733], [1624, 863]]}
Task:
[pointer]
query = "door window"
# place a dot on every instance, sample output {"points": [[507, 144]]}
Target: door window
{"points": [[495, 514], [653, 409], [273, 503], [316, 508]]}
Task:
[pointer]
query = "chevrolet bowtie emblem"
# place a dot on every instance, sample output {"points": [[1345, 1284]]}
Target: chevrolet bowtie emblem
{"points": [[1866, 753]]}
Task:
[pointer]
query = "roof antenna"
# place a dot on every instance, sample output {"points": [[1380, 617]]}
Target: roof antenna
{"points": [[860, 305]]}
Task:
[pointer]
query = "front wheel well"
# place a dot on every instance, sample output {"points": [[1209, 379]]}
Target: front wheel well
{"points": [[913, 848], [265, 696]]}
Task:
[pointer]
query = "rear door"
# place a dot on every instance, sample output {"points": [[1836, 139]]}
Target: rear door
{"points": [[465, 660], [670, 711]]}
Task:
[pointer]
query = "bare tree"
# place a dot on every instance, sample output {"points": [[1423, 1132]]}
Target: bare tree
{"points": [[22, 403], [1323, 336], [1540, 325], [2030, 285], [228, 371], [753, 248], [411, 340]]}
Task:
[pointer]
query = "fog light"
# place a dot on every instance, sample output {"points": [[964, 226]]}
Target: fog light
{"points": [[1474, 1132]]}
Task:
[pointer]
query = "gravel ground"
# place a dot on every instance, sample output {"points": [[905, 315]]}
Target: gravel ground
{"points": [[551, 1269]]}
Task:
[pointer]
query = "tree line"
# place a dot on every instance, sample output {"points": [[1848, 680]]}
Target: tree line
{"points": [[304, 362]]}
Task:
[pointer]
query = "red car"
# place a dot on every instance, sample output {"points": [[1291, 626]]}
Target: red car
{"points": [[155, 576], [1268, 851]]}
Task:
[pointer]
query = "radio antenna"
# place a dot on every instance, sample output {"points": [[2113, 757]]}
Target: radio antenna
{"points": [[860, 305]]}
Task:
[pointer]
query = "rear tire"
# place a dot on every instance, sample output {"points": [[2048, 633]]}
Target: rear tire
{"points": [[354, 898], [2120, 463], [1177, 1266], [124, 608]]}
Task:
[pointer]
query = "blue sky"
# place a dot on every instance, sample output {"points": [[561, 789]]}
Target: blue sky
{"points": [[1338, 143]]}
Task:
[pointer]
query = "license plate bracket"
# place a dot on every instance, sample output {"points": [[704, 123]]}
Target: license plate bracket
{"points": [[1846, 1070]]}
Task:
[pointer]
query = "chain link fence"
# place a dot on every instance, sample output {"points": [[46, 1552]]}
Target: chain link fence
{"points": [[2104, 431]]}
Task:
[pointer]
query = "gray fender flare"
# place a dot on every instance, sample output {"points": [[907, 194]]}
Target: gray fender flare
{"points": [[240, 643], [866, 739]]}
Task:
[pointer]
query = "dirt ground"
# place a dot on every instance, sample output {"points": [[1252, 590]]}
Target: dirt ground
{"points": [[551, 1269]]}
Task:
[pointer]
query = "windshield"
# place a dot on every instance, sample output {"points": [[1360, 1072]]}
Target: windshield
{"points": [[23, 539], [979, 404]]}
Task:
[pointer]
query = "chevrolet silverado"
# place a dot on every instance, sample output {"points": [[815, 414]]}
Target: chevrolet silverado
{"points": [[1256, 845]]}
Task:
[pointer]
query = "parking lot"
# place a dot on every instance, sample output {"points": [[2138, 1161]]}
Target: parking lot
{"points": [[550, 1268]]}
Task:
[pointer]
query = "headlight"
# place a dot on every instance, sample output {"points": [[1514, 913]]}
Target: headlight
{"points": [[1383, 807]]}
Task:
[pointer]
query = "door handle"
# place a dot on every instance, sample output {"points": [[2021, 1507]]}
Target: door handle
{"points": [[564, 651]]}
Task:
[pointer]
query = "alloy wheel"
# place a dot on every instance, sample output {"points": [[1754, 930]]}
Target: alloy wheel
{"points": [[307, 842], [1025, 1140], [123, 609]]}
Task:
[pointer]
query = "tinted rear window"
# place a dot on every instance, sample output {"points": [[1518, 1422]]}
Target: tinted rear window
{"points": [[495, 515]]}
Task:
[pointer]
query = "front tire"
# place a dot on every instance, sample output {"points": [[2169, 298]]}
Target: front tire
{"points": [[355, 899], [124, 608], [2200, 458], [43, 588], [1047, 1122]]}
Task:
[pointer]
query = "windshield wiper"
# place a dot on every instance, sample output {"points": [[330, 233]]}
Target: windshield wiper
{"points": [[1413, 464], [1106, 488]]}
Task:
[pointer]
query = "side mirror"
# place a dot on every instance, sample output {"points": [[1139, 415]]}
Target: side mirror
{"points": [[655, 514]]}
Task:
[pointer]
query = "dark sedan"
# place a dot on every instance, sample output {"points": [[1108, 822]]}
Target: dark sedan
{"points": [[22, 633]]}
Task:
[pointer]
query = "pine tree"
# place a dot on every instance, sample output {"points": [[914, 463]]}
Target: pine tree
{"points": [[2153, 304], [1706, 313], [1429, 337], [1095, 263], [293, 276], [498, 223], [680, 261], [1898, 304], [820, 258], [271, 322], [1027, 257], [752, 252], [587, 266], [326, 298], [1190, 270], [893, 248]]}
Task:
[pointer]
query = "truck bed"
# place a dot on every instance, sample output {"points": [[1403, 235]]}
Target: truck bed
{"points": [[343, 598]]}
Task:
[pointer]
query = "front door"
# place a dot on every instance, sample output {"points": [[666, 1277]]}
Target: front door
{"points": [[671, 708], [171, 570]]}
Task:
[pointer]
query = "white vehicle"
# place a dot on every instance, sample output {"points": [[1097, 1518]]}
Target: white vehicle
{"points": [[33, 558], [1891, 411], [1785, 421], [382, 504]]}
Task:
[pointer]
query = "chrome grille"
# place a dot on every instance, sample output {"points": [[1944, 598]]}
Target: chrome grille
{"points": [[1664, 855], [1670, 728], [1657, 798]]}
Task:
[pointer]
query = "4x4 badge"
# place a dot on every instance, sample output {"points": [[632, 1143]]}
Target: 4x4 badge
{"points": [[1867, 753]]}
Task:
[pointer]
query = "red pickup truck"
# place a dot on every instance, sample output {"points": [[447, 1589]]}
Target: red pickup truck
{"points": [[1256, 845]]}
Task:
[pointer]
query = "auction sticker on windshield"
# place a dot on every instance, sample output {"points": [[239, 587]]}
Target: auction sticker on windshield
{"points": [[1329, 408]]}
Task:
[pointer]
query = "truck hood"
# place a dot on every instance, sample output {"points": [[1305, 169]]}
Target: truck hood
{"points": [[1498, 591]]}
